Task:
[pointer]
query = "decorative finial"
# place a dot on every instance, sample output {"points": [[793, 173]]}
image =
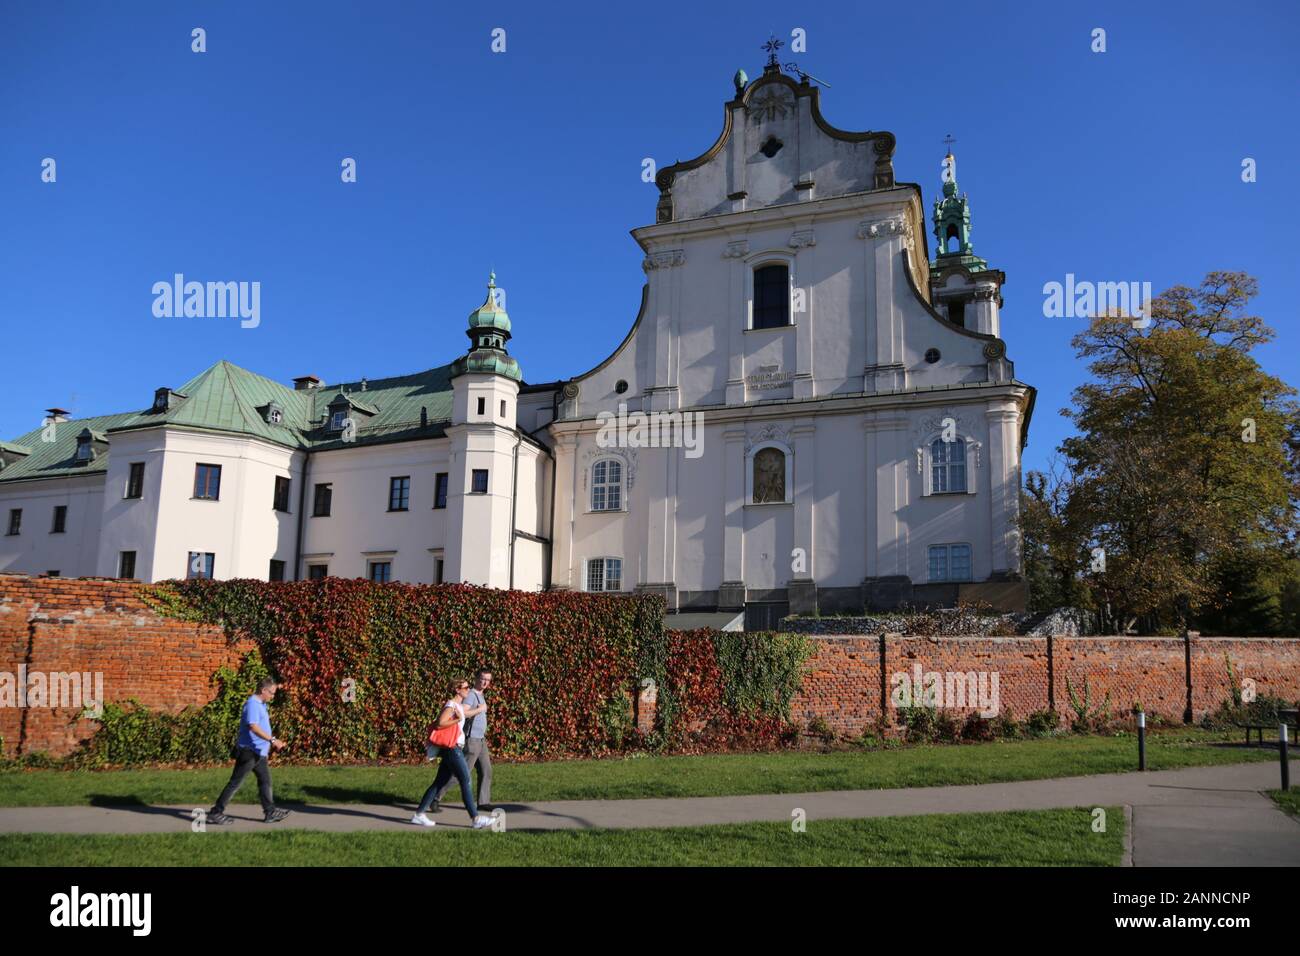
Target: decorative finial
{"points": [[740, 79], [771, 46], [948, 141], [492, 279]]}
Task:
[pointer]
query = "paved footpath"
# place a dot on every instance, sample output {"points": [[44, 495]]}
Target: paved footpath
{"points": [[1203, 816]]}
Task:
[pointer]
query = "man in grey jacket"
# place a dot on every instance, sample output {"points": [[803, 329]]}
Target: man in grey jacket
{"points": [[476, 746]]}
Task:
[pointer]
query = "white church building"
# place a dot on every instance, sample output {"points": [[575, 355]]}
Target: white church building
{"points": [[809, 414]]}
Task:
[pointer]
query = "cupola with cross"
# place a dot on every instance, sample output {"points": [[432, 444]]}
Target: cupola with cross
{"points": [[483, 446], [963, 288]]}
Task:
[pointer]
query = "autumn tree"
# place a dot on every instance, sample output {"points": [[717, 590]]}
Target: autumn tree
{"points": [[1184, 467]]}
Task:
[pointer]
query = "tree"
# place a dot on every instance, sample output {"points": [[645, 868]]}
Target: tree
{"points": [[1184, 468]]}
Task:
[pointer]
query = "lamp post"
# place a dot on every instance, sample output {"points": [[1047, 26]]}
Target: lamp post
{"points": [[1142, 736]]}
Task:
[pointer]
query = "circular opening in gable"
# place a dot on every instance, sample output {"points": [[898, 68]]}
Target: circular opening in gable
{"points": [[771, 147]]}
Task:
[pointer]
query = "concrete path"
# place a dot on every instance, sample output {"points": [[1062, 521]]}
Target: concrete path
{"points": [[1204, 816]]}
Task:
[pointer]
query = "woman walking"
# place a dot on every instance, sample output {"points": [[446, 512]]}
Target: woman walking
{"points": [[448, 738]]}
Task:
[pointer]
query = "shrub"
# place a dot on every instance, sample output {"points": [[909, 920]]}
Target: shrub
{"points": [[918, 723], [1006, 726], [1042, 723], [947, 726], [976, 727], [1088, 719], [566, 667]]}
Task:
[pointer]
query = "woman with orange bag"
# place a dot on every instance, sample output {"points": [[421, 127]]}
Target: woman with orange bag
{"points": [[447, 737]]}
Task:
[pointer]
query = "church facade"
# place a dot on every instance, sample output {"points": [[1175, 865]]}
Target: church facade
{"points": [[810, 414]]}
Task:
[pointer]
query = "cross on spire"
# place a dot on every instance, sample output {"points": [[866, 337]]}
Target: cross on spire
{"points": [[771, 46], [948, 141]]}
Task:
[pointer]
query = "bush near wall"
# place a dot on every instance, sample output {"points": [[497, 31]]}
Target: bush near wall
{"points": [[366, 666]]}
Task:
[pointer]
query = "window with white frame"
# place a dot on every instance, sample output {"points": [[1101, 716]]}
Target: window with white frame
{"points": [[607, 485], [605, 574], [948, 466], [949, 562]]}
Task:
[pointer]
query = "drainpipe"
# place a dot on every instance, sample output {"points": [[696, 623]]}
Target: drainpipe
{"points": [[514, 490], [302, 499]]}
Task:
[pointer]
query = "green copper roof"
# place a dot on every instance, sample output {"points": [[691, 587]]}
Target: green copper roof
{"points": [[489, 315], [225, 399], [952, 220], [489, 330]]}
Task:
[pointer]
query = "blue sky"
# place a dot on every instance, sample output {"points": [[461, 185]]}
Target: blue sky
{"points": [[225, 166]]}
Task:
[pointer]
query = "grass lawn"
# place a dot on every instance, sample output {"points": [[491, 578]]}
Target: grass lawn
{"points": [[647, 776], [1288, 800], [1019, 838]]}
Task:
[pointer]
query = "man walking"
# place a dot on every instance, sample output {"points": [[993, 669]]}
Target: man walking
{"points": [[253, 746], [476, 745]]}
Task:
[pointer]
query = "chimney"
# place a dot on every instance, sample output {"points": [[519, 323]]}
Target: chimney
{"points": [[56, 415], [304, 382]]}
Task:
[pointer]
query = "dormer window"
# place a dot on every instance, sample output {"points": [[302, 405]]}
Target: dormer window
{"points": [[338, 418], [273, 413], [84, 450], [88, 443]]}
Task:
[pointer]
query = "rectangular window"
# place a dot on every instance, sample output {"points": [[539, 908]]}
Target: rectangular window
{"points": [[771, 297], [282, 485], [322, 501], [381, 571], [437, 571], [482, 406], [605, 574], [399, 493], [503, 408], [317, 572], [950, 562], [200, 564], [948, 466], [276, 571], [51, 574], [126, 564], [15, 521], [60, 519], [135, 481], [440, 490], [480, 481], [207, 482]]}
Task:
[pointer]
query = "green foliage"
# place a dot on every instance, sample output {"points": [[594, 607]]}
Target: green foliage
{"points": [[566, 667], [131, 733], [1042, 723], [1185, 472], [1087, 719]]}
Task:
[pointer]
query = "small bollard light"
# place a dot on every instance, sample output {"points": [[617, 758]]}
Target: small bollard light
{"points": [[1142, 739], [1282, 729]]}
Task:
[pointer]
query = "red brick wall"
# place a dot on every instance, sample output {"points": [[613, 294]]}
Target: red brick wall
{"points": [[844, 684], [95, 625], [92, 625]]}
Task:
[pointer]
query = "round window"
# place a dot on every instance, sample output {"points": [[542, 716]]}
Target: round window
{"points": [[932, 355], [621, 387]]}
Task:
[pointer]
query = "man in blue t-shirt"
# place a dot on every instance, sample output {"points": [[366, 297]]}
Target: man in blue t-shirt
{"points": [[253, 745]]}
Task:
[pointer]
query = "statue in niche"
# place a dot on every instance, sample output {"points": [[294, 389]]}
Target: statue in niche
{"points": [[769, 476]]}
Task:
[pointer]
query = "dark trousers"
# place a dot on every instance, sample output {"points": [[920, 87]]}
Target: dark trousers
{"points": [[479, 760], [453, 764], [246, 760]]}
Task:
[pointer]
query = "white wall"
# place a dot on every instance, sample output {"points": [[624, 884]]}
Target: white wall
{"points": [[36, 549]]}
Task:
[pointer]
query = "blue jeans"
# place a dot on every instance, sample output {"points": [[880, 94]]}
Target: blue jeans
{"points": [[453, 764]]}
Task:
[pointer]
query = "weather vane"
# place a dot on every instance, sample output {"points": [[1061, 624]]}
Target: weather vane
{"points": [[771, 46]]}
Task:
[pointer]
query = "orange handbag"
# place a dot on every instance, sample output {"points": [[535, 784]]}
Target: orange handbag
{"points": [[447, 736]]}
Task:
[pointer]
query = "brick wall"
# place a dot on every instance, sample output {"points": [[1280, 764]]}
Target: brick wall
{"points": [[845, 685], [99, 626], [95, 625]]}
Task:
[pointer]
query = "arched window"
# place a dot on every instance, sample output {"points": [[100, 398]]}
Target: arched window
{"points": [[769, 476], [947, 466], [607, 485], [771, 296]]}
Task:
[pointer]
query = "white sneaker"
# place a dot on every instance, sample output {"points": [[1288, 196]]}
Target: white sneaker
{"points": [[482, 822], [422, 820]]}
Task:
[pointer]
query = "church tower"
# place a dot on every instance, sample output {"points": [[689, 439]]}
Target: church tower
{"points": [[485, 388], [963, 288]]}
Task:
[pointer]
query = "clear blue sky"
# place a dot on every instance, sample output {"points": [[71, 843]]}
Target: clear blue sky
{"points": [[225, 166]]}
